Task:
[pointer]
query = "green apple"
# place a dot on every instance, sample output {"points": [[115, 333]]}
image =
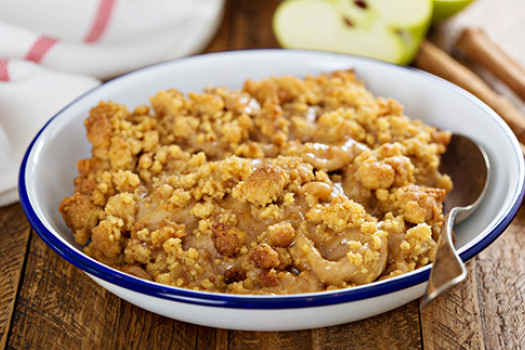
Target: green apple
{"points": [[444, 9], [388, 30]]}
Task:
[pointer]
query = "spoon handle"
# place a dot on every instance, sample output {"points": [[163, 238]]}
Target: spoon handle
{"points": [[447, 269]]}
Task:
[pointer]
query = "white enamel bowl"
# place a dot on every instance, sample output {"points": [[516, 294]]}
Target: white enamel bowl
{"points": [[48, 169]]}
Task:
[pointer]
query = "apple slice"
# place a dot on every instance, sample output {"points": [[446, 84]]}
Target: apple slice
{"points": [[388, 30], [444, 9]]}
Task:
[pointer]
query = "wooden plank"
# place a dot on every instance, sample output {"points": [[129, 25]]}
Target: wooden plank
{"points": [[209, 338], [397, 329], [501, 288], [222, 339], [240, 340], [221, 40], [14, 237], [250, 24], [245, 25], [453, 320]]}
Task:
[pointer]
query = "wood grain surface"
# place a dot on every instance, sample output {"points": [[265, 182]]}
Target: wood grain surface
{"points": [[46, 303], [14, 236]]}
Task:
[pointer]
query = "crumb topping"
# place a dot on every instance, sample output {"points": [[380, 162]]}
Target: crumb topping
{"points": [[287, 185]]}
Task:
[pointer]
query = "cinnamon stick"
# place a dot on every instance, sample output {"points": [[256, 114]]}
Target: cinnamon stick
{"points": [[436, 61], [481, 49]]}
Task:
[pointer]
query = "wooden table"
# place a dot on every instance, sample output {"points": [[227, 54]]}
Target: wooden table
{"points": [[47, 303]]}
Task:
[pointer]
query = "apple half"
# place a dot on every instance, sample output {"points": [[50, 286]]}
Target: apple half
{"points": [[388, 30]]}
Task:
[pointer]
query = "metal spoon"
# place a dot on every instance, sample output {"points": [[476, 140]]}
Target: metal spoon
{"points": [[467, 164]]}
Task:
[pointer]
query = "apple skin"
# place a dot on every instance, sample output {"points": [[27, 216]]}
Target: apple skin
{"points": [[319, 25], [444, 9]]}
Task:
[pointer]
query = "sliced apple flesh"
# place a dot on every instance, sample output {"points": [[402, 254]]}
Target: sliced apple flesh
{"points": [[388, 30]]}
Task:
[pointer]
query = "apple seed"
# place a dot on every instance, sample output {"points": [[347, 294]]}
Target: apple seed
{"points": [[361, 4]]}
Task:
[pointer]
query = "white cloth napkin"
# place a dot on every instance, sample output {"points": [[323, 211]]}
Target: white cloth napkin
{"points": [[51, 51]]}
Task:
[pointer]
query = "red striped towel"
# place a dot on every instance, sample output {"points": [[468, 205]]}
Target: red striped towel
{"points": [[51, 51]]}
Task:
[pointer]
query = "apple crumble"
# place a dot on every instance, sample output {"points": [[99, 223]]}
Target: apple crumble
{"points": [[287, 185]]}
